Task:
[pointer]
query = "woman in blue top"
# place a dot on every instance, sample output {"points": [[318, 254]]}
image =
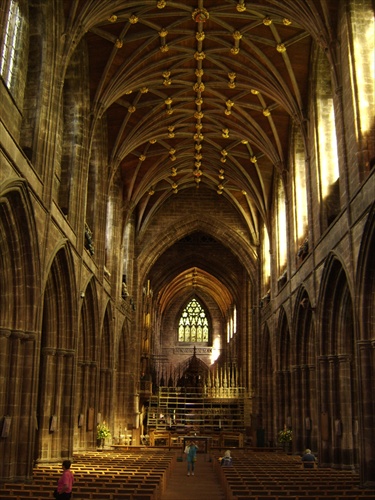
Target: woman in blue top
{"points": [[191, 457]]}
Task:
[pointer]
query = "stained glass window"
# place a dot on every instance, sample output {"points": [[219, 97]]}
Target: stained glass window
{"points": [[193, 325]]}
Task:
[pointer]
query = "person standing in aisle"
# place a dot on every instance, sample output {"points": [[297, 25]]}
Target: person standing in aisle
{"points": [[191, 458], [65, 483]]}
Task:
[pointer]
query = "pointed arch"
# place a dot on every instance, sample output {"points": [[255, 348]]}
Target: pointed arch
{"points": [[305, 390], [121, 366], [19, 335], [19, 257], [60, 290], [299, 185], [281, 228], [304, 346], [87, 366], [365, 294], [125, 379], [337, 367], [88, 348], [266, 406], [106, 369], [56, 371], [191, 224], [326, 141], [283, 375]]}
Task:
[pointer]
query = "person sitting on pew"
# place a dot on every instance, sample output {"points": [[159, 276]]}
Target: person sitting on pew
{"points": [[227, 460], [308, 459]]}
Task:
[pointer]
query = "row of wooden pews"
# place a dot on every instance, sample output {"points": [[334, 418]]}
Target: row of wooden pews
{"points": [[142, 474], [277, 476], [120, 475]]}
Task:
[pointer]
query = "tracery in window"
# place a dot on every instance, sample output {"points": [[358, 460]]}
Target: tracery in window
{"points": [[266, 260], [281, 227], [363, 81], [299, 188], [193, 324], [11, 42], [326, 143]]}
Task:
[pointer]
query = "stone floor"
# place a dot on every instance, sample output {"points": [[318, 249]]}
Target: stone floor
{"points": [[204, 485]]}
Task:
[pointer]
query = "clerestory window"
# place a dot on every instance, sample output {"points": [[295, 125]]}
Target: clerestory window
{"points": [[193, 325], [11, 44]]}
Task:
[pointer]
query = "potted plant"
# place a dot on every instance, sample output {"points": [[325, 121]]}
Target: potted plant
{"points": [[102, 432], [285, 437]]}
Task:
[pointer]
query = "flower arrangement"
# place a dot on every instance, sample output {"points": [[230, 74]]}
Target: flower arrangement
{"points": [[285, 436], [102, 431]]}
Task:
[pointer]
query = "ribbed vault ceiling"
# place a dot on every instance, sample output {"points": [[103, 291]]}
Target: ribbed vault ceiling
{"points": [[196, 279], [198, 94]]}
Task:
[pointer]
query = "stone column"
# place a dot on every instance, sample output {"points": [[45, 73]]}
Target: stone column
{"points": [[346, 411], [296, 397], [91, 387], [84, 404], [5, 344], [13, 401], [59, 387], [301, 428], [45, 405], [279, 401], [70, 410], [4, 361], [324, 458], [26, 431], [366, 362], [333, 407], [313, 407]]}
